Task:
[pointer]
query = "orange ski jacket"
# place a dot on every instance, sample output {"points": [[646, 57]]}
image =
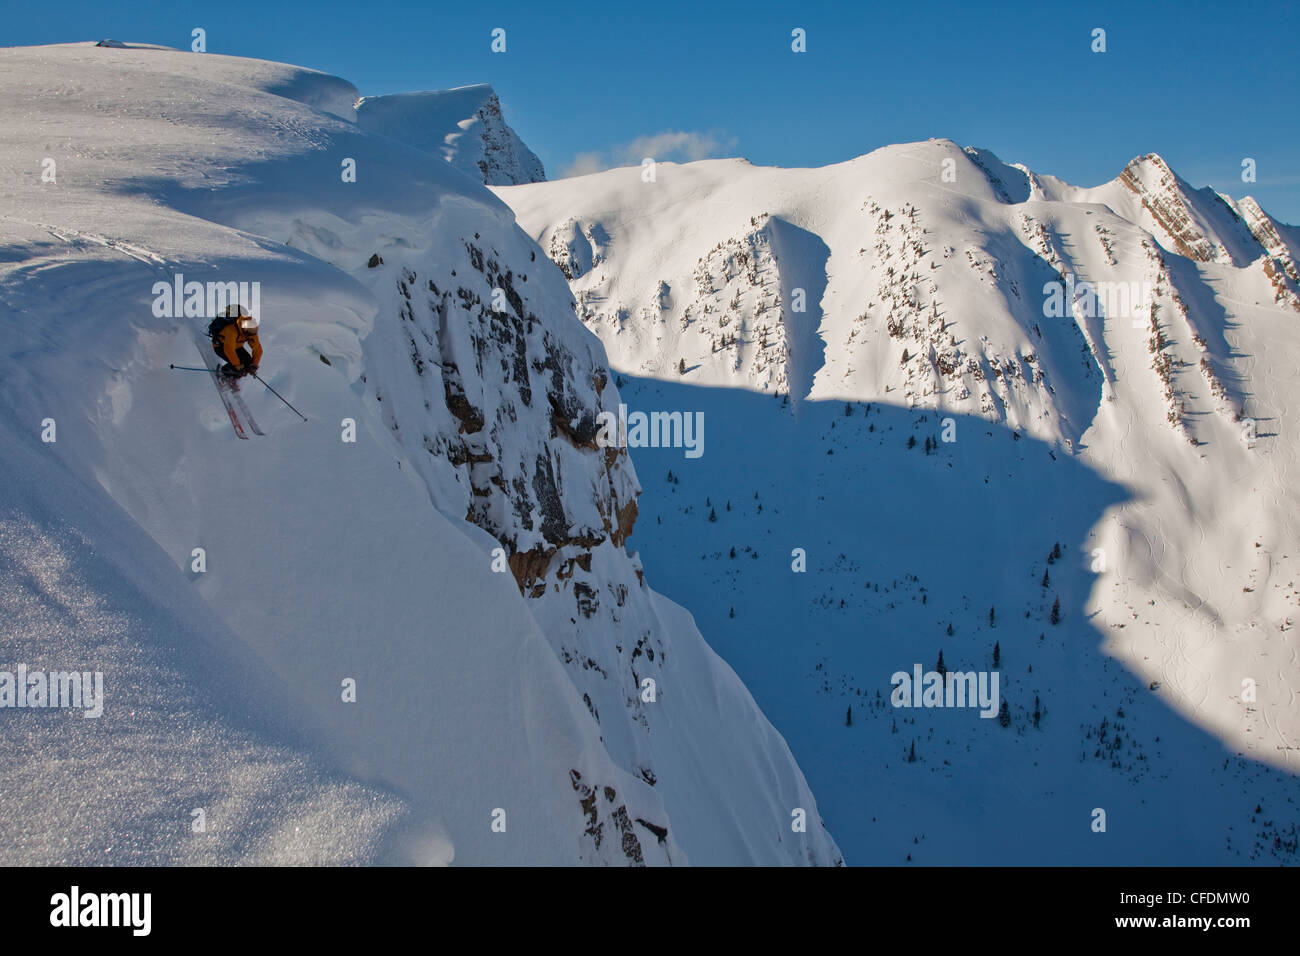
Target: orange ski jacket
{"points": [[232, 337]]}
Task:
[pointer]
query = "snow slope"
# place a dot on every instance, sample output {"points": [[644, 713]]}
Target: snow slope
{"points": [[464, 126], [487, 691], [927, 368]]}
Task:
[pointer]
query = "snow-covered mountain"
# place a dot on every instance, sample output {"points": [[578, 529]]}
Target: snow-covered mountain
{"points": [[463, 126], [922, 371], [407, 630]]}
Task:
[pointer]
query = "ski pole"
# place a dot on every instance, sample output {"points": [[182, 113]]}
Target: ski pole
{"points": [[189, 368], [279, 396]]}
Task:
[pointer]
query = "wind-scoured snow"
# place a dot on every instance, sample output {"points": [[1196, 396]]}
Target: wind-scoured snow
{"points": [[460, 567]]}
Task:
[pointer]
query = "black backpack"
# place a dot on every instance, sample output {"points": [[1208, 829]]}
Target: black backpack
{"points": [[217, 325]]}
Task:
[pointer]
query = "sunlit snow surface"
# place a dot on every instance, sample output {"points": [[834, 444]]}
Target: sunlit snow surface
{"points": [[326, 562], [925, 273]]}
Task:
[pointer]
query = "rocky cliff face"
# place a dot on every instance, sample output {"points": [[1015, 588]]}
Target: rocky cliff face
{"points": [[858, 280], [497, 398], [727, 316], [1280, 264], [506, 160], [465, 127], [509, 405], [1158, 189]]}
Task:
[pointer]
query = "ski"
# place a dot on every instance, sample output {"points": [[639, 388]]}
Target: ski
{"points": [[223, 389], [243, 409]]}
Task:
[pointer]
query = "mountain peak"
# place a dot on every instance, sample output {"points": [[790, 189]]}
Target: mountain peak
{"points": [[1012, 184], [1167, 198], [464, 126], [1148, 161]]}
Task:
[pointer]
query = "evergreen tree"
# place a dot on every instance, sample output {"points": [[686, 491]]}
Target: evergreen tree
{"points": [[1004, 715], [1038, 712], [911, 754], [992, 619], [848, 717], [997, 654], [1047, 581], [681, 367], [1056, 552], [911, 441], [1056, 611], [713, 515], [732, 612], [939, 666], [950, 628], [733, 550]]}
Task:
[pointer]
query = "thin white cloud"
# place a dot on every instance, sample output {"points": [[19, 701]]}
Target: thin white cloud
{"points": [[583, 164], [675, 146], [668, 146]]}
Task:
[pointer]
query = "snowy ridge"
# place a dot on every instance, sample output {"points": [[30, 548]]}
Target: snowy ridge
{"points": [[464, 126], [1281, 265], [1116, 360], [476, 691]]}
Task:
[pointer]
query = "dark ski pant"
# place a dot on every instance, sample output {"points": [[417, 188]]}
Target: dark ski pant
{"points": [[245, 359]]}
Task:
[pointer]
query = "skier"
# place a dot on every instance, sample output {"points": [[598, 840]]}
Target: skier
{"points": [[230, 332]]}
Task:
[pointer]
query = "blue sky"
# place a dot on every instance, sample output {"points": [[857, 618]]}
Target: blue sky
{"points": [[1203, 84]]}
